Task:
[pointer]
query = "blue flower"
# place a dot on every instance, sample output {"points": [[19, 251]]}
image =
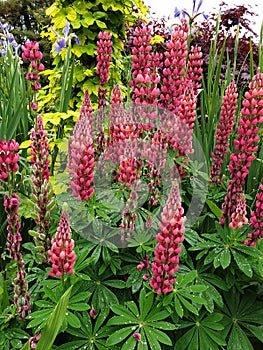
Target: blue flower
{"points": [[62, 41], [7, 38]]}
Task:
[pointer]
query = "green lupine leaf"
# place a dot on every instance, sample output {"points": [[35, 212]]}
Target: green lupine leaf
{"points": [[152, 339], [76, 344], [238, 340], [121, 320], [79, 307], [225, 258], [157, 315], [213, 321], [129, 344], [161, 336], [256, 331], [214, 208], [73, 320], [118, 336], [216, 336], [133, 307], [121, 310], [145, 302], [188, 278], [54, 323], [242, 263], [188, 305], [183, 342], [163, 325], [178, 307], [115, 284], [197, 288], [82, 296], [101, 318]]}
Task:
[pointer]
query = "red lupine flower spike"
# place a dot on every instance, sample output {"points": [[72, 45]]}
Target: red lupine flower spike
{"points": [[62, 255]]}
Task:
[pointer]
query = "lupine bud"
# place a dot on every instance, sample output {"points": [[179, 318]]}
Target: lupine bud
{"points": [[92, 312], [137, 337]]}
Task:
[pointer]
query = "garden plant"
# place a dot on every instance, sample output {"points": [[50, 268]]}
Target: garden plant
{"points": [[131, 192]]}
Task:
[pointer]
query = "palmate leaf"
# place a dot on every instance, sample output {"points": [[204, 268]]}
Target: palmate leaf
{"points": [[203, 333], [119, 335]]}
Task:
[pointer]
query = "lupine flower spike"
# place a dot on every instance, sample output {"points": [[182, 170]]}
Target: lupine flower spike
{"points": [[256, 220], [166, 253], [62, 255], [246, 146], [81, 153], [42, 194], [224, 129], [31, 52]]}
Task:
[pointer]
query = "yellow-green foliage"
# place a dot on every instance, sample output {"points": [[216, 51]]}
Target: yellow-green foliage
{"points": [[87, 19]]}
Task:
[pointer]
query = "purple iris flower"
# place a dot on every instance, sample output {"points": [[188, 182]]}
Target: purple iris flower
{"points": [[62, 41]]}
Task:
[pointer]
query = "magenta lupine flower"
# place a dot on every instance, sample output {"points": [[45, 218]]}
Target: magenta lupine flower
{"points": [[145, 64], [8, 158], [256, 220], [245, 145], [62, 255], [31, 52], [137, 337], [186, 119], [194, 68], [175, 66], [224, 129], [166, 253], [104, 52], [81, 158], [238, 218]]}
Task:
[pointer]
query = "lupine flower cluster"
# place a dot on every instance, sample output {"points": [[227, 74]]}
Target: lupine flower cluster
{"points": [[41, 188], [104, 52], [256, 220], [245, 145], [62, 255], [145, 65], [166, 253], [174, 71], [8, 158], [81, 153], [224, 129], [31, 53], [194, 68]]}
